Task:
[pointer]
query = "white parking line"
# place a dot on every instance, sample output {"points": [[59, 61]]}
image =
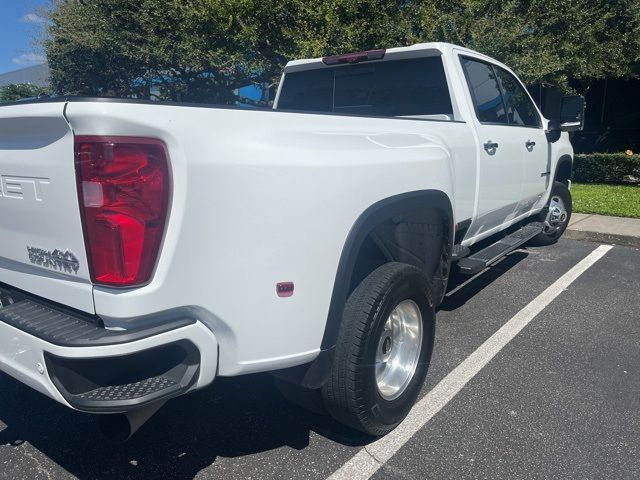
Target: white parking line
{"points": [[368, 460]]}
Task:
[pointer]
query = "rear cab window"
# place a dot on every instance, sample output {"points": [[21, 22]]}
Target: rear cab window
{"points": [[415, 88]]}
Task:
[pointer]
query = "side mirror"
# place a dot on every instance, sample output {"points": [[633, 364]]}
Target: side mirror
{"points": [[572, 113], [571, 117]]}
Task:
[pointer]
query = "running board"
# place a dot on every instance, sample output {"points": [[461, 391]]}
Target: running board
{"points": [[485, 257], [459, 252]]}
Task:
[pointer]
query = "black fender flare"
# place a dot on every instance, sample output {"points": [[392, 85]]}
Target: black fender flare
{"points": [[564, 169]]}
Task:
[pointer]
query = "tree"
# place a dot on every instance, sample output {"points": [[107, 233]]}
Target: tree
{"points": [[201, 50], [191, 50], [18, 91], [341, 26], [544, 41]]}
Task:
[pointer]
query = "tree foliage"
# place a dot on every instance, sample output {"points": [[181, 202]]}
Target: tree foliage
{"points": [[201, 50], [544, 41], [340, 26], [191, 50], [19, 91]]}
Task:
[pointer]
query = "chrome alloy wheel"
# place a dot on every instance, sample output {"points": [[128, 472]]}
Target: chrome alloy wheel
{"points": [[398, 350], [557, 215]]}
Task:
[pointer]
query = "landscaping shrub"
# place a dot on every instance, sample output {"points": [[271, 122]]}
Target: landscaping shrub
{"points": [[613, 168]]}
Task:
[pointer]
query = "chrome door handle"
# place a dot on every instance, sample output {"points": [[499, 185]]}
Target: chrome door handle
{"points": [[529, 144], [491, 147]]}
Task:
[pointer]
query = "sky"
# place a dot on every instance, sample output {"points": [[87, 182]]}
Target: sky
{"points": [[20, 25]]}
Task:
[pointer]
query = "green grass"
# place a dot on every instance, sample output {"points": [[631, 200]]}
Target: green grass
{"points": [[615, 200]]}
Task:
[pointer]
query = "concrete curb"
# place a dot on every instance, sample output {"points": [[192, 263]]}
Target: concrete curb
{"points": [[599, 237], [604, 229]]}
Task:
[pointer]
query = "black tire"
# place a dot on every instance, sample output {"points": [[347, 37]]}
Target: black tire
{"points": [[351, 394], [551, 234]]}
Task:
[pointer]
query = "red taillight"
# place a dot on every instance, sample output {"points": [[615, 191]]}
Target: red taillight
{"points": [[123, 188]]}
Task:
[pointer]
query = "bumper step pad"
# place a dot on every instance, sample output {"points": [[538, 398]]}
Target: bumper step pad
{"points": [[125, 382], [55, 326], [67, 328], [112, 379], [131, 391]]}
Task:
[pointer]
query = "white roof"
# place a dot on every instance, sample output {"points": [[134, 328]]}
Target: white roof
{"points": [[397, 53]]}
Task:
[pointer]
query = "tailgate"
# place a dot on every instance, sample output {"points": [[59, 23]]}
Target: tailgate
{"points": [[42, 247]]}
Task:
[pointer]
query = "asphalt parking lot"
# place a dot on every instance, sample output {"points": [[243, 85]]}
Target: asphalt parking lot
{"points": [[561, 399]]}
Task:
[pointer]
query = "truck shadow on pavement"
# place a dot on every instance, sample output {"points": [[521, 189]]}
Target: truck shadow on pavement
{"points": [[234, 417]]}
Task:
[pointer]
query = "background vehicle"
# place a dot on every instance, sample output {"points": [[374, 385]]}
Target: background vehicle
{"points": [[313, 241]]}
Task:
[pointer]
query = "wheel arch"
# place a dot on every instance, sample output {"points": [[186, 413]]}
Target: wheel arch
{"points": [[414, 212], [564, 169]]}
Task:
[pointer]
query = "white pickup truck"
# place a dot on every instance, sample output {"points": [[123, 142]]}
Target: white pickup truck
{"points": [[146, 248]]}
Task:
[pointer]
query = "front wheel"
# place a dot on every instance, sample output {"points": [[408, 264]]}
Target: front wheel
{"points": [[557, 217], [383, 350]]}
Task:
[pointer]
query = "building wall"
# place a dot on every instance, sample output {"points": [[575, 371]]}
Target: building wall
{"points": [[37, 75]]}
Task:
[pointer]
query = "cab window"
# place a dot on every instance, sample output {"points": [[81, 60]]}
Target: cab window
{"points": [[485, 91], [520, 108]]}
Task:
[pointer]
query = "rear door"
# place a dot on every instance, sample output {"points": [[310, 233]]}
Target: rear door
{"points": [[500, 172], [42, 247]]}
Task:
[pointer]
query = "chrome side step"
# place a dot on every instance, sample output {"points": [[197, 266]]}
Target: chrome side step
{"points": [[485, 257]]}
